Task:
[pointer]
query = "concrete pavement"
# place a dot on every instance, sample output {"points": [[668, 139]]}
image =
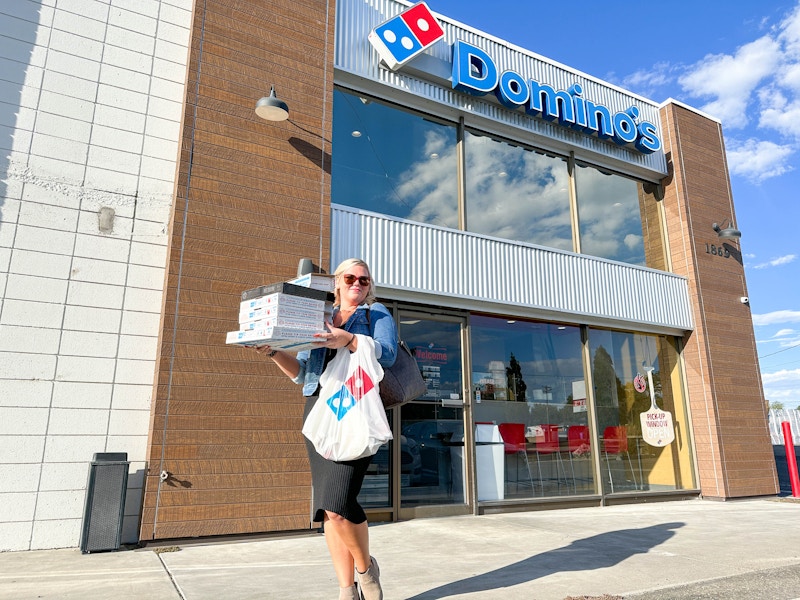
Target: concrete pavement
{"points": [[689, 549]]}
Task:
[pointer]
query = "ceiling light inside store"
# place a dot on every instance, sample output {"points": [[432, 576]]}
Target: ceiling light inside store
{"points": [[356, 134]]}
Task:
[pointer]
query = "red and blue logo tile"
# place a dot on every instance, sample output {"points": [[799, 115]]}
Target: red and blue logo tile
{"points": [[403, 37], [356, 387]]}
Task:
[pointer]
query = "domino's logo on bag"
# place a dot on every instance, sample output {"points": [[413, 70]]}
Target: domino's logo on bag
{"points": [[356, 387], [403, 37]]}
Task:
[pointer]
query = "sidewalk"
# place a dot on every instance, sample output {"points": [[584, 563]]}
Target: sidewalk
{"points": [[659, 551]]}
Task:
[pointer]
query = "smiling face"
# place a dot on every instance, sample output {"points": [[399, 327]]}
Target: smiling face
{"points": [[353, 285]]}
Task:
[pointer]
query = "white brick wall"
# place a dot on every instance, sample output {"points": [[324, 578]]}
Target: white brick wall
{"points": [[91, 95]]}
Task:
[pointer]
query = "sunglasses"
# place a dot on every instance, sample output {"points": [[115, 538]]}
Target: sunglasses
{"points": [[351, 279]]}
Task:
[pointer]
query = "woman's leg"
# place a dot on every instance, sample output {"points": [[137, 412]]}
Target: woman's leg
{"points": [[348, 545]]}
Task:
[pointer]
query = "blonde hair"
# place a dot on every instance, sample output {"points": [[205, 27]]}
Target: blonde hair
{"points": [[344, 266]]}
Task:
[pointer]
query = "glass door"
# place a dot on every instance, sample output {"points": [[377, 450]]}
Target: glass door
{"points": [[432, 427]]}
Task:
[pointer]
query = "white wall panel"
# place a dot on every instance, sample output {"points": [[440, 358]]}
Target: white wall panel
{"points": [[75, 120]]}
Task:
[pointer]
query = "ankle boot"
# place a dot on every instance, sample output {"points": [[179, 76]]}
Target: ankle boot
{"points": [[349, 593], [370, 581]]}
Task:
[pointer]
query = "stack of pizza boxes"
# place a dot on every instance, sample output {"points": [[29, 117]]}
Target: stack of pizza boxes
{"points": [[284, 315]]}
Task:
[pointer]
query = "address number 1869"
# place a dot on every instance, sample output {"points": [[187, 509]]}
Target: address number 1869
{"points": [[717, 250]]}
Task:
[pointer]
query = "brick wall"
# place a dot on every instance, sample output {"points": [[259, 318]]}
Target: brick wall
{"points": [[253, 198], [728, 411]]}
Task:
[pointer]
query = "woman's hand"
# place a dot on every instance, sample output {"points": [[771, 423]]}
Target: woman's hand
{"points": [[335, 338], [264, 350], [286, 361]]}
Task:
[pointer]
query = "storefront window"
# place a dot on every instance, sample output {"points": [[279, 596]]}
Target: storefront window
{"points": [[529, 394], [516, 194], [393, 162], [641, 416], [610, 216], [432, 426]]}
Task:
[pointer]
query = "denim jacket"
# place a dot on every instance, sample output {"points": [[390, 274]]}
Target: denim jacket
{"points": [[379, 325]]}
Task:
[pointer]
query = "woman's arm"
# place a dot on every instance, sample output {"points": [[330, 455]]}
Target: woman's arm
{"points": [[384, 332], [288, 363]]}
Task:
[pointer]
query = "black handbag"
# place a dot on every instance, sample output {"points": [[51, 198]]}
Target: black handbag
{"points": [[403, 381]]}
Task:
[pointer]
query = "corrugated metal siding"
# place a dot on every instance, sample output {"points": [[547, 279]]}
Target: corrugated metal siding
{"points": [[354, 55], [449, 264], [776, 418]]}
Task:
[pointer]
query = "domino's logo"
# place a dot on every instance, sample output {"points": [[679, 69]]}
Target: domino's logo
{"points": [[358, 385], [403, 37]]}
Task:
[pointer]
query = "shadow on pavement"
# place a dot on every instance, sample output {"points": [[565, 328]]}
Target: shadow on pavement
{"points": [[596, 552]]}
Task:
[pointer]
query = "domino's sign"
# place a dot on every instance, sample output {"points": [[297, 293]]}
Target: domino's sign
{"points": [[475, 72], [408, 34], [403, 37]]}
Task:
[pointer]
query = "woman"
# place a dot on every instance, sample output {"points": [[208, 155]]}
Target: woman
{"points": [[336, 484]]}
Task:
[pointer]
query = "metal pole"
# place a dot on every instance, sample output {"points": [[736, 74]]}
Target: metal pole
{"points": [[791, 458]]}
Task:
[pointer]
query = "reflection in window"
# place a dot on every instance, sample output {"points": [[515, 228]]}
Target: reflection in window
{"points": [[516, 194], [609, 215], [620, 361], [528, 379], [432, 427], [393, 162]]}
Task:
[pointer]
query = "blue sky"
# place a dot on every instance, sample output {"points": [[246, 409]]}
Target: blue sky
{"points": [[736, 61]]}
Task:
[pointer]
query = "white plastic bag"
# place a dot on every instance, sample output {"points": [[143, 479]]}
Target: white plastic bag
{"points": [[348, 420]]}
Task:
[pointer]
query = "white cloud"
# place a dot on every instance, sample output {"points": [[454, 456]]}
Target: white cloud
{"points": [[789, 33], [633, 241], [776, 262], [778, 112], [758, 160], [784, 333], [777, 317], [647, 81], [782, 386], [756, 85], [781, 376], [732, 79]]}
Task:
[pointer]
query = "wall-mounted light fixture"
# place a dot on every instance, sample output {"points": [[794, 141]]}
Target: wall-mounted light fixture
{"points": [[729, 232], [305, 266], [272, 109]]}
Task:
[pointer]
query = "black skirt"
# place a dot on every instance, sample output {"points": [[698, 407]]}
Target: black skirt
{"points": [[335, 485]]}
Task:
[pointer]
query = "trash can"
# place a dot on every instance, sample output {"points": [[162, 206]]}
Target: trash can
{"points": [[105, 502], [489, 462]]}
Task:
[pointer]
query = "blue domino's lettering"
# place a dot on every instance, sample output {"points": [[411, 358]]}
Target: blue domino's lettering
{"points": [[512, 90], [549, 104], [474, 72]]}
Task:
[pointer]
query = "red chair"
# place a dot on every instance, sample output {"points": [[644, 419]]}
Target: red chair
{"points": [[549, 444], [578, 439], [514, 442], [579, 445], [615, 443]]}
